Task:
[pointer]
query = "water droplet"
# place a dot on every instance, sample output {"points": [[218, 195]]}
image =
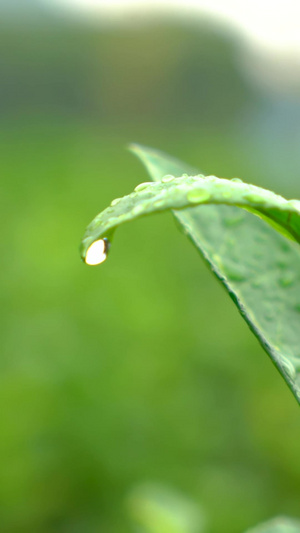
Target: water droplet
{"points": [[237, 180], [97, 252], [198, 195], [167, 178], [143, 186], [115, 201], [288, 367], [255, 198]]}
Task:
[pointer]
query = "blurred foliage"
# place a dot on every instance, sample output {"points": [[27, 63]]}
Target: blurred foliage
{"points": [[139, 371], [281, 524], [157, 509]]}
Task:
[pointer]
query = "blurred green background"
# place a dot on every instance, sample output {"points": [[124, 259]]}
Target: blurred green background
{"points": [[138, 373]]}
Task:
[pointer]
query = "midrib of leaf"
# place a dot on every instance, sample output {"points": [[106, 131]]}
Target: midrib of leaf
{"points": [[259, 267]]}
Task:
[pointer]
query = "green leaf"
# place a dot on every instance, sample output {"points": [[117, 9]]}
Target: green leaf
{"points": [[190, 191], [277, 525], [259, 267]]}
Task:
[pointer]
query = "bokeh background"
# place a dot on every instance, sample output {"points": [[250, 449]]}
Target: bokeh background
{"points": [[133, 396]]}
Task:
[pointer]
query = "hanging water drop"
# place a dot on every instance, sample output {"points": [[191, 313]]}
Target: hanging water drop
{"points": [[97, 252]]}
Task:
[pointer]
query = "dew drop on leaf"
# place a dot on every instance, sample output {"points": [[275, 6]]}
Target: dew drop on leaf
{"points": [[142, 186], [255, 198], [115, 201], [97, 252], [196, 196], [167, 178]]}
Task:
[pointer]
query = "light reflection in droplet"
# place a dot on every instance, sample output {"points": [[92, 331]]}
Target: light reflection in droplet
{"points": [[97, 252]]}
